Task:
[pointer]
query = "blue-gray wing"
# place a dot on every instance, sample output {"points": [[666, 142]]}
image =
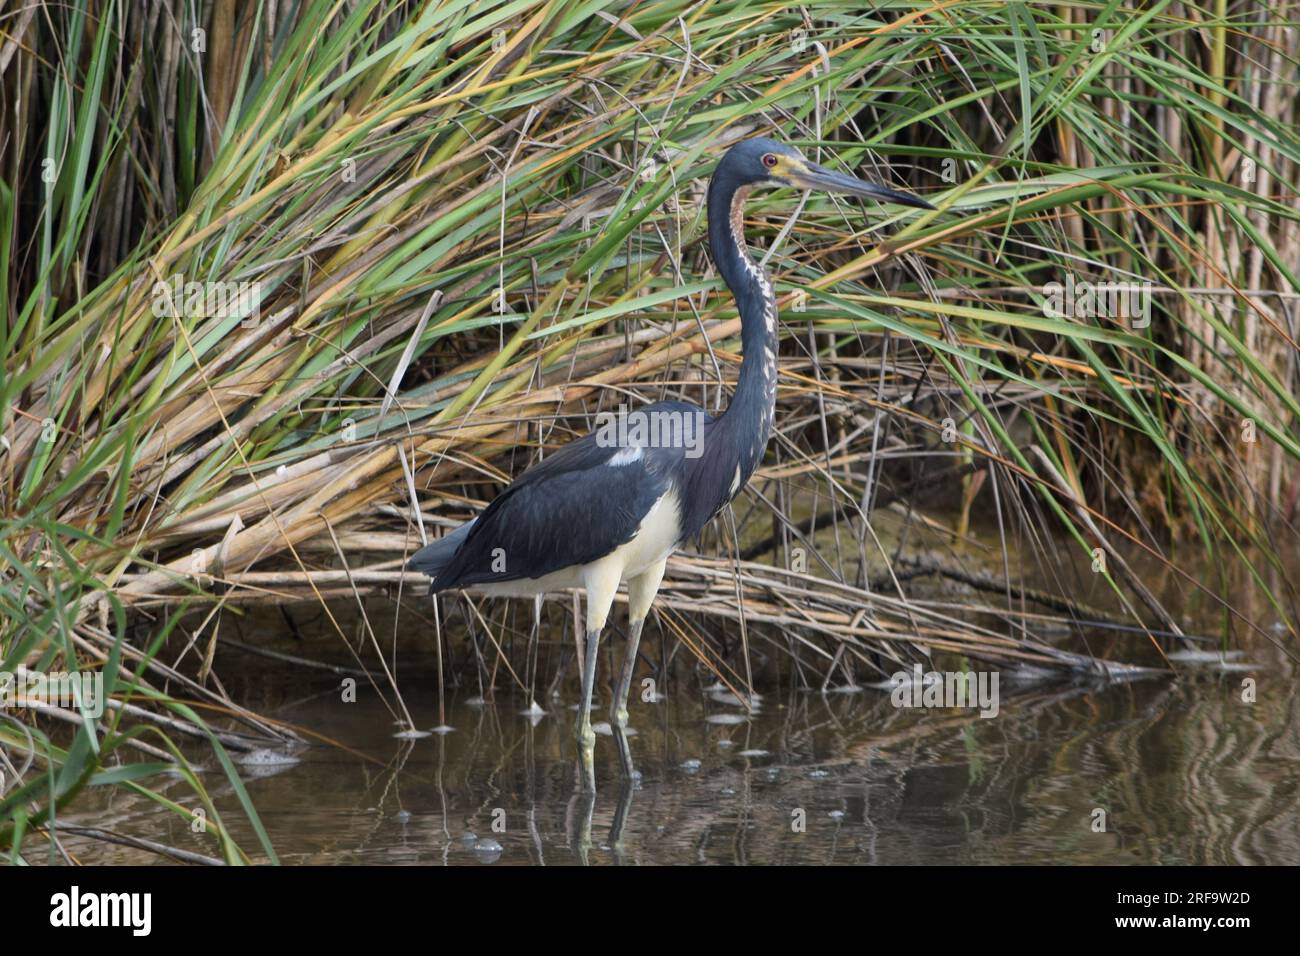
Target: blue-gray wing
{"points": [[569, 509]]}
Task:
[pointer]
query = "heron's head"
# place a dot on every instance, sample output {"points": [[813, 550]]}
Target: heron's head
{"points": [[766, 162]]}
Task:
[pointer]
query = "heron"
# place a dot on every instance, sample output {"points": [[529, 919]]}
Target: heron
{"points": [[608, 509]]}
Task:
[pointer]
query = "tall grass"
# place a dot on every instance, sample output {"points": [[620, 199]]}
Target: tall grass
{"points": [[474, 225]]}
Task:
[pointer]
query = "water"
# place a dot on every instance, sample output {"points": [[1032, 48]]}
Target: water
{"points": [[1184, 770]]}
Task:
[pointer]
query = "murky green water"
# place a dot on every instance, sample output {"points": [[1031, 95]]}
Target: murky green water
{"points": [[1184, 770]]}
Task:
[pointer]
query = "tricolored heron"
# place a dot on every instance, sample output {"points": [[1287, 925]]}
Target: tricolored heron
{"points": [[597, 514]]}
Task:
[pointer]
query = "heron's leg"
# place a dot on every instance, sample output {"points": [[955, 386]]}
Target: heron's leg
{"points": [[641, 592], [618, 707], [587, 736], [602, 582]]}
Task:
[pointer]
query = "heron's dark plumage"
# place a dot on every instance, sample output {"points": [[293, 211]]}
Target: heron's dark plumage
{"points": [[582, 503], [574, 506], [569, 509]]}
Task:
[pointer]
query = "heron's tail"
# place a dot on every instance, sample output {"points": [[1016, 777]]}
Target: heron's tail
{"points": [[436, 555]]}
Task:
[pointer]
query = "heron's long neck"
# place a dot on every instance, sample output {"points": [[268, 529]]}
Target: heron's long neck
{"points": [[752, 406]]}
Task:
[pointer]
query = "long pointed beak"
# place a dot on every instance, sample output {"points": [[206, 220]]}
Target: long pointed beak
{"points": [[818, 177]]}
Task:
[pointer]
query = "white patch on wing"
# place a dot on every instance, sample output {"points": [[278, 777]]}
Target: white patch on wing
{"points": [[735, 482], [625, 456]]}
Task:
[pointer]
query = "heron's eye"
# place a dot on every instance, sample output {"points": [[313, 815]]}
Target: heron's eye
{"points": [[769, 160]]}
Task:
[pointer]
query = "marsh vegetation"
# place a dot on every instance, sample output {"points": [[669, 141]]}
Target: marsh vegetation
{"points": [[290, 288]]}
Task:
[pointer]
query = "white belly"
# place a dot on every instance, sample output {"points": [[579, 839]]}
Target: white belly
{"points": [[660, 529], [530, 587], [654, 541]]}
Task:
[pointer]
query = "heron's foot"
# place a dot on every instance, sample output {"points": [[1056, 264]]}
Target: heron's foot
{"points": [[629, 771], [618, 724], [587, 755], [581, 808]]}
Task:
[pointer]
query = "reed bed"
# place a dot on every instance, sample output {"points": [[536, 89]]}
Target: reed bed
{"points": [[472, 227]]}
